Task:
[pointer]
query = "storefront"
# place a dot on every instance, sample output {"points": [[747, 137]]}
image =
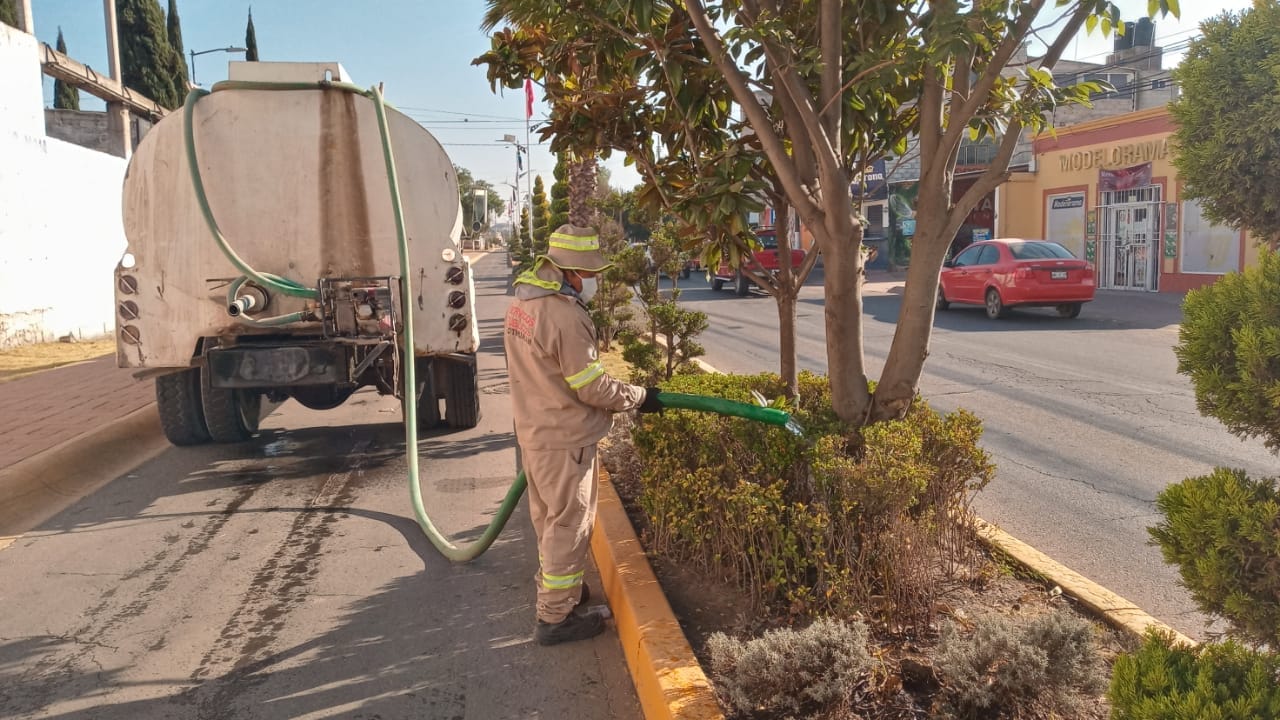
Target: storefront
{"points": [[1107, 190]]}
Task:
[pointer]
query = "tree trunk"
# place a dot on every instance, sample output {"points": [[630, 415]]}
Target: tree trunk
{"points": [[785, 297], [842, 287], [902, 368], [582, 186]]}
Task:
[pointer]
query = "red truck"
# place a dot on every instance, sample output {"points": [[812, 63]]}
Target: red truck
{"points": [[764, 259]]}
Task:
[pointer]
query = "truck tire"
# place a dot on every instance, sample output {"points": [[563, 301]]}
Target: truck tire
{"points": [[231, 415], [685, 272], [717, 284], [461, 393], [181, 415], [428, 397], [742, 284]]}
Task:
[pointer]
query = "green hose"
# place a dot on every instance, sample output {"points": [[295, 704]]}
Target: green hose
{"points": [[720, 406], [295, 289]]}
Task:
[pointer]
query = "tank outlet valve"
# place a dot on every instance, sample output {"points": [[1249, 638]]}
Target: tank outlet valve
{"points": [[251, 301]]}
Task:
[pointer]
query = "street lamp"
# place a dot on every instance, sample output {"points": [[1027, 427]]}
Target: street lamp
{"points": [[511, 140], [206, 52]]}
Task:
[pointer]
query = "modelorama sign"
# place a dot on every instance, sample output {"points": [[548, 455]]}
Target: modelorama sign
{"points": [[1115, 156]]}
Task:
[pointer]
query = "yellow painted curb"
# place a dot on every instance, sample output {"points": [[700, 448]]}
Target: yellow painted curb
{"points": [[1111, 607], [39, 487], [667, 677]]}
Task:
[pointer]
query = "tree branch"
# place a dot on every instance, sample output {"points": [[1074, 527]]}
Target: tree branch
{"points": [[756, 115]]}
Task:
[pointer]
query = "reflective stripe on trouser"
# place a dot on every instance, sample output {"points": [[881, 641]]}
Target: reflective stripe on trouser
{"points": [[562, 506]]}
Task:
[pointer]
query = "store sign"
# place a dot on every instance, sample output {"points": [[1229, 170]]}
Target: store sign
{"points": [[1115, 155], [870, 185], [1065, 222]]}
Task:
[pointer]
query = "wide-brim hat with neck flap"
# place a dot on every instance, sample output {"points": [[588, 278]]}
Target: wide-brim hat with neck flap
{"points": [[576, 248]]}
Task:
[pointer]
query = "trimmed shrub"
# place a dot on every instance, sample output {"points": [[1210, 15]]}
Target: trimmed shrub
{"points": [[786, 672], [1049, 663], [1222, 531], [1218, 681], [836, 521], [1229, 345]]}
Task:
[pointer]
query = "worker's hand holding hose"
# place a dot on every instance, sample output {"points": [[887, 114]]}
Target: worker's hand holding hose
{"points": [[652, 402]]}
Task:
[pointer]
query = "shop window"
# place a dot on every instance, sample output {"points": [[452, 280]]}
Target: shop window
{"points": [[1207, 248]]}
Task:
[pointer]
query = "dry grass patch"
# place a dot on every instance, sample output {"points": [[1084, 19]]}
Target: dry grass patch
{"points": [[30, 359]]}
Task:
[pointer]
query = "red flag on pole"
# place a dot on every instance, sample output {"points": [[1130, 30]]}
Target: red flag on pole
{"points": [[528, 98]]}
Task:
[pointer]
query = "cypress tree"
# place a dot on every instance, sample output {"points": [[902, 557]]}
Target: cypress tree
{"points": [[8, 13], [146, 60], [174, 26], [560, 194], [541, 217], [65, 97], [250, 40]]}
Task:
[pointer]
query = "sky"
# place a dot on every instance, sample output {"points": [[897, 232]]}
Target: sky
{"points": [[422, 51]]}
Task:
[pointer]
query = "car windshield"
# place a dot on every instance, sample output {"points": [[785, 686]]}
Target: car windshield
{"points": [[770, 242], [1039, 251]]}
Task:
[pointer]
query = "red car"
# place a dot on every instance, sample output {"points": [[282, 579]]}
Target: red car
{"points": [[1000, 274], [766, 259]]}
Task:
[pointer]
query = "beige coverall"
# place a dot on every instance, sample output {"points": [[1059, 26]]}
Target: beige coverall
{"points": [[563, 402]]}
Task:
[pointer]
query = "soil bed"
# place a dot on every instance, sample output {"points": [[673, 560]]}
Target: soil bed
{"points": [[903, 683]]}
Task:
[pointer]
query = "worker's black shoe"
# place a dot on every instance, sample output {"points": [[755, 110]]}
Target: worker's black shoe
{"points": [[577, 626], [585, 596]]}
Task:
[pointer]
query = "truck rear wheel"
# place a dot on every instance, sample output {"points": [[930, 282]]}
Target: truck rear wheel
{"points": [[428, 397], [717, 284], [231, 415], [181, 414], [461, 393], [742, 285]]}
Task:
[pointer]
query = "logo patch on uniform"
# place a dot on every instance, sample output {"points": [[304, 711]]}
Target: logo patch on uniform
{"points": [[520, 323]]}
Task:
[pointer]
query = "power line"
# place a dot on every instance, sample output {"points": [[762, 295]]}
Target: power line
{"points": [[455, 112]]}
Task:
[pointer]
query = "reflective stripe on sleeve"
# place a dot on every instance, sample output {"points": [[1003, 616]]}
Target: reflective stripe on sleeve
{"points": [[592, 372]]}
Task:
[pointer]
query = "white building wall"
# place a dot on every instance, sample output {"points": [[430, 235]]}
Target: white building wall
{"points": [[61, 232]]}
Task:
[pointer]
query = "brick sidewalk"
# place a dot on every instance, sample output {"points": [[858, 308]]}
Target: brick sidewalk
{"points": [[39, 411]]}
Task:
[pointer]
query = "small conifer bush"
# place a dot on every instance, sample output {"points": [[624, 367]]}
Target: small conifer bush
{"points": [[1216, 681]]}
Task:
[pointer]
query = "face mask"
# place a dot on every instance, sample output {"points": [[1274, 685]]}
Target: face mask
{"points": [[589, 287]]}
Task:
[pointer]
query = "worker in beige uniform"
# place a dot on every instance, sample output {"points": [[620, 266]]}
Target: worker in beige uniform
{"points": [[563, 402]]}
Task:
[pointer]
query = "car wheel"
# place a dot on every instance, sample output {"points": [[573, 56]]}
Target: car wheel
{"points": [[1069, 310], [685, 273], [743, 285], [995, 306], [943, 303], [717, 284]]}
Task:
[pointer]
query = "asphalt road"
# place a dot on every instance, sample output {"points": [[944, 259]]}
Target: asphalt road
{"points": [[1086, 419], [286, 578]]}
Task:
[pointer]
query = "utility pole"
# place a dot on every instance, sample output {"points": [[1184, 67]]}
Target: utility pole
{"points": [[118, 131]]}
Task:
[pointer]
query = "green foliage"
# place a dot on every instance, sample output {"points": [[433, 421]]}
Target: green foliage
{"points": [[560, 194], [1222, 531], [611, 308], [173, 25], [678, 329], [790, 673], [839, 520], [1228, 154], [1216, 681], [147, 62], [541, 217], [1229, 345], [9, 13], [65, 96], [1006, 668], [645, 358], [250, 40]]}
